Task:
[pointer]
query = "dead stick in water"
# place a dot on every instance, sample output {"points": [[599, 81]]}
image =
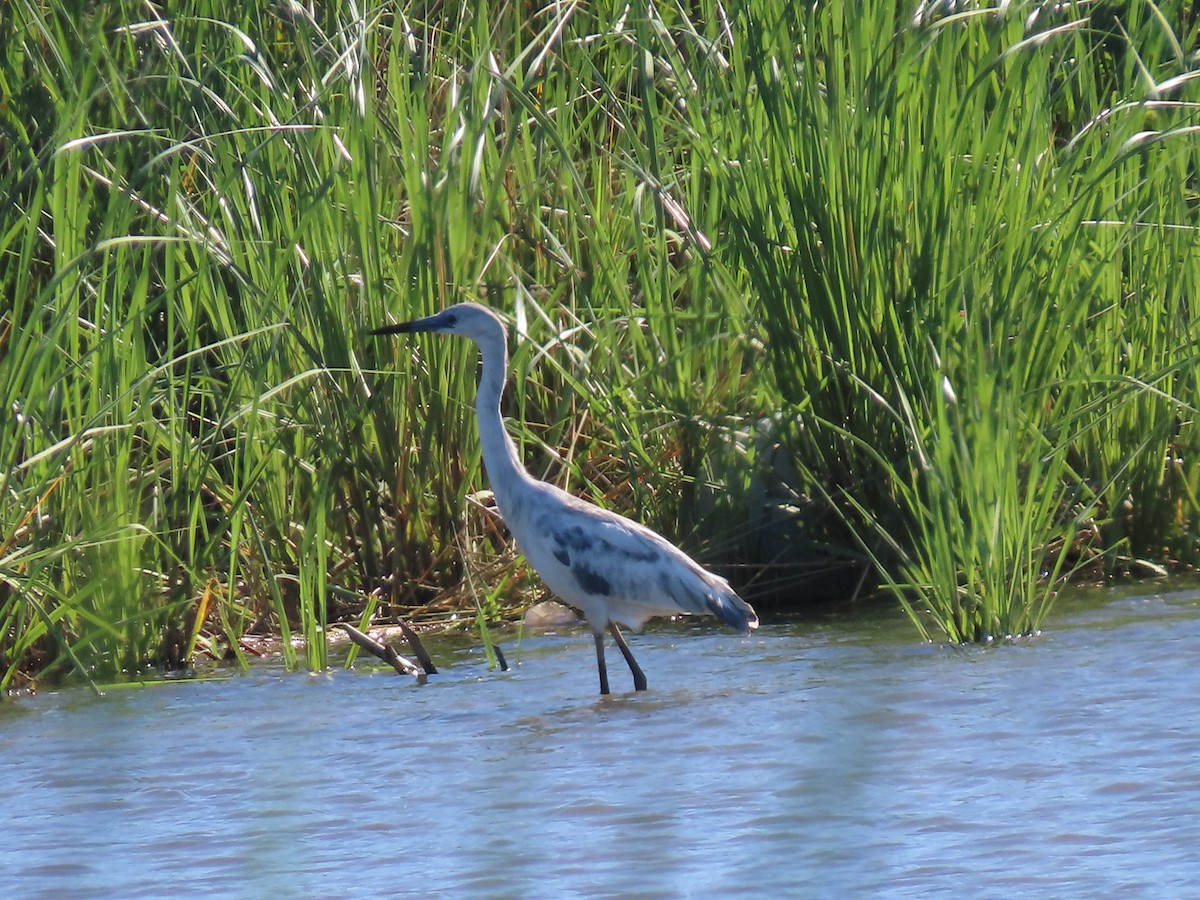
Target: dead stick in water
{"points": [[386, 653], [418, 648]]}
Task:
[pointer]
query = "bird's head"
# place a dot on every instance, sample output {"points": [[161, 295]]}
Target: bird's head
{"points": [[471, 320]]}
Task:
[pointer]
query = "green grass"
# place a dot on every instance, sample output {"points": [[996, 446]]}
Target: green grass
{"points": [[916, 287], [974, 266]]}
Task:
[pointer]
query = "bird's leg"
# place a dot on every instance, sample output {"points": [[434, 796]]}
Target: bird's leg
{"points": [[599, 636], [639, 677]]}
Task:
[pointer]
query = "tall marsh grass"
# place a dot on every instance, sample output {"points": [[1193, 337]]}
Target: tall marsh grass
{"points": [[976, 263], [925, 273]]}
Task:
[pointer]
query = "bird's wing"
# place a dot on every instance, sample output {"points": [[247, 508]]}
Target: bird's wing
{"points": [[588, 552]]}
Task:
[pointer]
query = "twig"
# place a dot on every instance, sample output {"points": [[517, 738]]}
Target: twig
{"points": [[418, 648], [386, 653]]}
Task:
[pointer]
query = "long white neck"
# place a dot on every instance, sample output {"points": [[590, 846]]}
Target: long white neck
{"points": [[504, 470]]}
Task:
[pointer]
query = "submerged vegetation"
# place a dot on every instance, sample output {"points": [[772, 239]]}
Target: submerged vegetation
{"points": [[897, 291]]}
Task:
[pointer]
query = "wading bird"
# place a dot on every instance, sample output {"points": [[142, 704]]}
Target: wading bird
{"points": [[611, 569]]}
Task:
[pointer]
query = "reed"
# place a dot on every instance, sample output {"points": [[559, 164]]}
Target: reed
{"points": [[968, 247], [940, 267]]}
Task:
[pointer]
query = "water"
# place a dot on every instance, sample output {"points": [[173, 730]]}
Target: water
{"points": [[816, 760]]}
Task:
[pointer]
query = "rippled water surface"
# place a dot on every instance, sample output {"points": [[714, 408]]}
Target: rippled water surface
{"points": [[811, 759]]}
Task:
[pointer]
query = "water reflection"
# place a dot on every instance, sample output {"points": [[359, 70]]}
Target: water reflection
{"points": [[816, 759]]}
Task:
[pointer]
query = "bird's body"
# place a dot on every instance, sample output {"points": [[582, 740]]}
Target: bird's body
{"points": [[615, 570], [610, 568]]}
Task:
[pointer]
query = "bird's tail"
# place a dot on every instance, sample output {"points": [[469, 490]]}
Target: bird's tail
{"points": [[731, 609]]}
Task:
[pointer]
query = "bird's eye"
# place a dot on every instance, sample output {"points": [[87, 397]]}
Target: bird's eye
{"points": [[451, 320]]}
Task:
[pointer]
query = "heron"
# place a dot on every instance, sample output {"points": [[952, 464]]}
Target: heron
{"points": [[612, 569]]}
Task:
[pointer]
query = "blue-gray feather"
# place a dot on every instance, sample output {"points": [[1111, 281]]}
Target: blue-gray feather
{"points": [[598, 555]]}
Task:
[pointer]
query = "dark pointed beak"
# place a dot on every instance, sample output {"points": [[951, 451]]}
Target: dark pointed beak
{"points": [[429, 323], [401, 328]]}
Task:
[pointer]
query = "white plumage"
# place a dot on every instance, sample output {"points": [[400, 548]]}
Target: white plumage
{"points": [[613, 570]]}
